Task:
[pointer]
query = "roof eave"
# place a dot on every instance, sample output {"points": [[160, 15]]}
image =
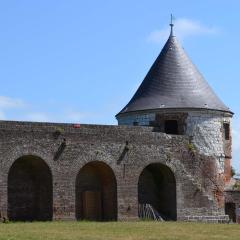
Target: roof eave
{"points": [[179, 109]]}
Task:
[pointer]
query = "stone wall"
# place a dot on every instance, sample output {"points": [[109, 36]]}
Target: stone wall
{"points": [[67, 148], [205, 127]]}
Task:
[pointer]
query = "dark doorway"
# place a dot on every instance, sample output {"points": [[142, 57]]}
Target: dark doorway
{"points": [[157, 187], [226, 127], [29, 190], [96, 193], [230, 210], [171, 127]]}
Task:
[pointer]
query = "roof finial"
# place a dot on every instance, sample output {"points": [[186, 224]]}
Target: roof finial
{"points": [[171, 25]]}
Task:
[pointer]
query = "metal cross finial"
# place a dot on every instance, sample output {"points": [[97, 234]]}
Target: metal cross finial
{"points": [[171, 24]]}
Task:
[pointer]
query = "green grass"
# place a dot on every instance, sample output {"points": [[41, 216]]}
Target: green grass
{"points": [[118, 230]]}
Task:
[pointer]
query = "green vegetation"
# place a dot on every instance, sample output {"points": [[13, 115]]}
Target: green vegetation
{"points": [[236, 186], [191, 147], [233, 171], [118, 231]]}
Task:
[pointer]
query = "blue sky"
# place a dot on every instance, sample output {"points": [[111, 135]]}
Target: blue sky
{"points": [[81, 61]]}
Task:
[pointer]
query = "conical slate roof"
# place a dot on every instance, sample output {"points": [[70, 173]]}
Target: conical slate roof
{"points": [[173, 82]]}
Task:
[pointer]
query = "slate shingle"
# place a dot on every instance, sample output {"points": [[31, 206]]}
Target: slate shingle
{"points": [[174, 82]]}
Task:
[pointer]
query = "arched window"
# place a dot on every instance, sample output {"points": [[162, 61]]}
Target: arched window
{"points": [[29, 190]]}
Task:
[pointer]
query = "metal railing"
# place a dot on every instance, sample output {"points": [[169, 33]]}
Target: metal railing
{"points": [[147, 212]]}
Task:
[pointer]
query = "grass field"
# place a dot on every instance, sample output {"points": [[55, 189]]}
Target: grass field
{"points": [[118, 230]]}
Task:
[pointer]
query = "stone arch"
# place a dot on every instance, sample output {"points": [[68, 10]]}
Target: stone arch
{"points": [[96, 192], [30, 190], [25, 150], [157, 187]]}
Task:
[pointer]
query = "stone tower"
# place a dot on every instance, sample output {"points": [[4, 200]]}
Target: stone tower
{"points": [[174, 98], [172, 169]]}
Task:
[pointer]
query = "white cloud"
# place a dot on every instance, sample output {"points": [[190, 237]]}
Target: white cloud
{"points": [[76, 116], [37, 117], [65, 116], [2, 115], [8, 107], [236, 144], [183, 28], [7, 102], [236, 139]]}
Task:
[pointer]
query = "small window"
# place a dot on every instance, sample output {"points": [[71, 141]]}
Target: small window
{"points": [[171, 127], [226, 127], [152, 123], [135, 123]]}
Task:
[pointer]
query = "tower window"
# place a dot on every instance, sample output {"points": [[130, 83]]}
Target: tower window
{"points": [[226, 127], [135, 123], [171, 127]]}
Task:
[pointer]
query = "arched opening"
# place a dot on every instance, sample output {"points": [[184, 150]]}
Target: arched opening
{"points": [[96, 193], [29, 190], [230, 210], [157, 189]]}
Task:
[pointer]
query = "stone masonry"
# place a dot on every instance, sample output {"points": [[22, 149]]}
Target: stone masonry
{"points": [[170, 155], [204, 127], [67, 148]]}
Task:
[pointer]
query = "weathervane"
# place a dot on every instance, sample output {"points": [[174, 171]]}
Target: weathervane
{"points": [[171, 24]]}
